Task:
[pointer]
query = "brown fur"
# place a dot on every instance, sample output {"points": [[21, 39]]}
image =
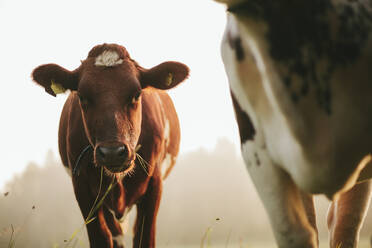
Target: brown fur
{"points": [[346, 215], [102, 111]]}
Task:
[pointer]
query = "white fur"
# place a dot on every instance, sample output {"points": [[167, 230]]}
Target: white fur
{"points": [[108, 58], [118, 239], [167, 133], [169, 159], [166, 164], [124, 223]]}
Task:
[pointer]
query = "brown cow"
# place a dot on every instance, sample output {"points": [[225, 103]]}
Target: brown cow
{"points": [[117, 119]]}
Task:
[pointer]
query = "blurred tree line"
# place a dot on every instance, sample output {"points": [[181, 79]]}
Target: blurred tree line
{"points": [[208, 195]]}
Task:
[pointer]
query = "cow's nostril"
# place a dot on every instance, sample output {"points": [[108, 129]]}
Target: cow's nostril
{"points": [[121, 151], [112, 155], [101, 152]]}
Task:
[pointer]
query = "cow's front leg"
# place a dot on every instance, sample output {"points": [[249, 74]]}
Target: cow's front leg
{"points": [[147, 209], [282, 199], [98, 231], [115, 229], [346, 215]]}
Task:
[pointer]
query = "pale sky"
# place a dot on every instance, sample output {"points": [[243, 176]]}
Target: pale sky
{"points": [[47, 31]]}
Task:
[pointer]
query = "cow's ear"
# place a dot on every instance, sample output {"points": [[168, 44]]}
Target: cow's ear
{"points": [[164, 76], [55, 79]]}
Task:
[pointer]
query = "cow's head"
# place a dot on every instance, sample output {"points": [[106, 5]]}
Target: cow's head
{"points": [[109, 84]]}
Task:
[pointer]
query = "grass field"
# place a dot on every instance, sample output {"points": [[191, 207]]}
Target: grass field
{"points": [[323, 244]]}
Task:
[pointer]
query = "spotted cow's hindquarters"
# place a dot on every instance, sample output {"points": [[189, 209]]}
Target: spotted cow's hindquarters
{"points": [[291, 212], [303, 111], [282, 199], [302, 137]]}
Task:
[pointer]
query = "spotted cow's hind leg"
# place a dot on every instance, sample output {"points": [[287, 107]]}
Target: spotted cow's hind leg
{"points": [[308, 201], [282, 199], [346, 215]]}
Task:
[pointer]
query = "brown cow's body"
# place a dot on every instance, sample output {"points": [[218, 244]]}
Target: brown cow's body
{"points": [[156, 109], [113, 109]]}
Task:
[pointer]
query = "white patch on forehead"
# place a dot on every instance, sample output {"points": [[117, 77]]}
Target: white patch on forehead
{"points": [[108, 58]]}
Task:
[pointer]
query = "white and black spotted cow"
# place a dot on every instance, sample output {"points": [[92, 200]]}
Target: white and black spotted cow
{"points": [[300, 73]]}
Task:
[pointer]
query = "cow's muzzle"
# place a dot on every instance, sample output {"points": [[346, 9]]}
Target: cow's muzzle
{"points": [[115, 158]]}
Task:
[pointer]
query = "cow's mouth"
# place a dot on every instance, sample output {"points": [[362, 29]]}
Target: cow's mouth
{"points": [[120, 168]]}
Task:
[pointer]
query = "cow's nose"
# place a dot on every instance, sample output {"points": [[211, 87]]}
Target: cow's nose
{"points": [[112, 155]]}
